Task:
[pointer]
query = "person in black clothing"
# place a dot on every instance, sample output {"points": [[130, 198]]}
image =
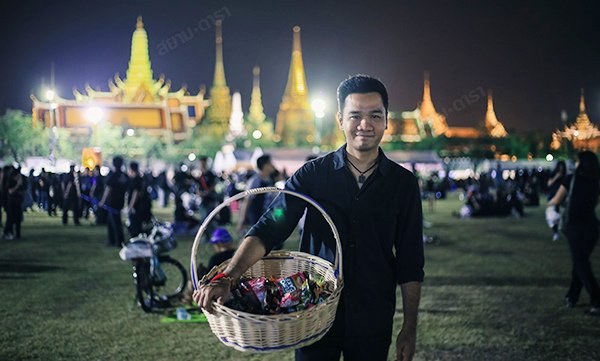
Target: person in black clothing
{"points": [[15, 188], [139, 205], [582, 227], [43, 186], [55, 194], [163, 184], [114, 198], [254, 206], [554, 182], [71, 195], [376, 207], [96, 192], [85, 185]]}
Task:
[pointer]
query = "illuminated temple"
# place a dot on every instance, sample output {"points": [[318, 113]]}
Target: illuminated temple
{"points": [[425, 122], [582, 133], [295, 123], [138, 101]]}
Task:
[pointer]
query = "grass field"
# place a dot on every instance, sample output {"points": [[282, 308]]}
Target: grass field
{"points": [[493, 291]]}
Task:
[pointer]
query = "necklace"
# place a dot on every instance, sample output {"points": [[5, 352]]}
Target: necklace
{"points": [[361, 176]]}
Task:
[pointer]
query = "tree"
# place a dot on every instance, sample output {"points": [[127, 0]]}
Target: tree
{"points": [[20, 138]]}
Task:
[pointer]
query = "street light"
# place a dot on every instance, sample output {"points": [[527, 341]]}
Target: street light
{"points": [[94, 115], [318, 106]]}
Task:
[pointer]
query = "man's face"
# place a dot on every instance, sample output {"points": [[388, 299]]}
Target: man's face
{"points": [[363, 121]]}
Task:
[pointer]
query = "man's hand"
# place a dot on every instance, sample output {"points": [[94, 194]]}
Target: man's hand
{"points": [[406, 344], [218, 290]]}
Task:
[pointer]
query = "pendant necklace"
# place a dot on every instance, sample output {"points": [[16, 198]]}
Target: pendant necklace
{"points": [[361, 176]]}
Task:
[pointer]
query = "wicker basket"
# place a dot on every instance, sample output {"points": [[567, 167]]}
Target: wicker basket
{"points": [[267, 333]]}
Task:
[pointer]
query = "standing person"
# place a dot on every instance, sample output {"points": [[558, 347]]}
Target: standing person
{"points": [[55, 194], [71, 195], [96, 193], [554, 182], [138, 208], [43, 188], [376, 207], [254, 206], [16, 186], [3, 172], [85, 184], [163, 185], [582, 227], [114, 198]]}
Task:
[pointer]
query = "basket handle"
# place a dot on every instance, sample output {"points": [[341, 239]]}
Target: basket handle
{"points": [[263, 190]]}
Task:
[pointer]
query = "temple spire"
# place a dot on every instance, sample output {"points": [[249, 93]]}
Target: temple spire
{"points": [[581, 102], [236, 122], [256, 111], [436, 121], [492, 124], [219, 111], [139, 85], [219, 79], [295, 119]]}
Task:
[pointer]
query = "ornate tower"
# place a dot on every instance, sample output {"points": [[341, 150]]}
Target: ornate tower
{"points": [[256, 111], [492, 125], [219, 111], [295, 120], [257, 120], [429, 115], [139, 85], [236, 122]]}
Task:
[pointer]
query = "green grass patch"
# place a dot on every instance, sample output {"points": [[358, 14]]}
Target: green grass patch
{"points": [[493, 291]]}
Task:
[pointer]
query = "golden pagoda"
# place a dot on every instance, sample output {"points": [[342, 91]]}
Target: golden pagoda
{"points": [[257, 120], [428, 114], [219, 111], [256, 113], [138, 101], [494, 128], [583, 134], [295, 120]]}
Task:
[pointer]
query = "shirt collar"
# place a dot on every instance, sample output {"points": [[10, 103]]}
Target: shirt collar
{"points": [[339, 160]]}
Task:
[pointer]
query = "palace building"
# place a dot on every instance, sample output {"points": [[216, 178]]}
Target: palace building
{"points": [[582, 133], [138, 101]]}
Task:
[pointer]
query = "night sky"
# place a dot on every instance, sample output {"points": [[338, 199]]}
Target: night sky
{"points": [[534, 56]]}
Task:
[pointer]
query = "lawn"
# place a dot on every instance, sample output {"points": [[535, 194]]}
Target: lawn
{"points": [[493, 291]]}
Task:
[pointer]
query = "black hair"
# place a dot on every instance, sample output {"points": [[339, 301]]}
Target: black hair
{"points": [[588, 167], [262, 161], [117, 161], [560, 165], [361, 84], [134, 166]]}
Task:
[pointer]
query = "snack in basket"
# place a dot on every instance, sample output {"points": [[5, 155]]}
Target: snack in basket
{"points": [[269, 296]]}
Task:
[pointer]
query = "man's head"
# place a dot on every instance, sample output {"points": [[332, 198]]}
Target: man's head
{"points": [[117, 162], [134, 168], [362, 115], [203, 160], [264, 165]]}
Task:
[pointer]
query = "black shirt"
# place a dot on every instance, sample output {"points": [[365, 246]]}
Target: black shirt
{"points": [[584, 198], [136, 184], [380, 227], [218, 258], [118, 182]]}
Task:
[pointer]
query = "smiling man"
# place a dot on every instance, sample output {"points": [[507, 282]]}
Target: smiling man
{"points": [[375, 205]]}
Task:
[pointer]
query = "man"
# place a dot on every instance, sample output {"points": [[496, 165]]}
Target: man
{"points": [[255, 206], [376, 208], [71, 194], [140, 204], [114, 198]]}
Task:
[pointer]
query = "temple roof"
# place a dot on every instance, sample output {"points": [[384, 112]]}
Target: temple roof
{"points": [[582, 128], [492, 124], [428, 113]]}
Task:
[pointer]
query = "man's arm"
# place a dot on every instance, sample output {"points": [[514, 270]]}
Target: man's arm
{"points": [[107, 191], [251, 250], [407, 338]]}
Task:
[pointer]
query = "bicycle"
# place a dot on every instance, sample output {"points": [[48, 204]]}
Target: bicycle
{"points": [[159, 279]]}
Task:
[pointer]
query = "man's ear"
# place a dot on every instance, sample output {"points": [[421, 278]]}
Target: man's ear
{"points": [[338, 116]]}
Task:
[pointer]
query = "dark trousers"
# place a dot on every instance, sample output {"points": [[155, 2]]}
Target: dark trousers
{"points": [[135, 224], [335, 342], [14, 217], [582, 240], [115, 229], [72, 204]]}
